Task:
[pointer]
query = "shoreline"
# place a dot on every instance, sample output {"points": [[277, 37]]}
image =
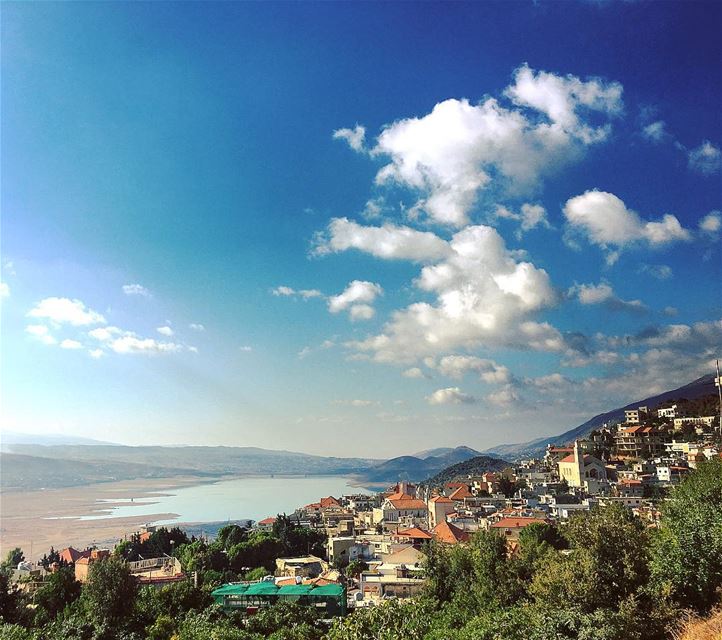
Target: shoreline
{"points": [[38, 519]]}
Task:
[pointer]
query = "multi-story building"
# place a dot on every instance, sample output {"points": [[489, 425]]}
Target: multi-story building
{"points": [[638, 442]]}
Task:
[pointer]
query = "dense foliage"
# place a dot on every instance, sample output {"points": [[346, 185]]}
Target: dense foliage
{"points": [[602, 576]]}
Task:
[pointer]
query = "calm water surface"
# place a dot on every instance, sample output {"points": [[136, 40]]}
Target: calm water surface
{"points": [[253, 498]]}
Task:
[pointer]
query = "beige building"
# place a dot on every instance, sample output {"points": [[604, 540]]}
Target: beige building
{"points": [[581, 470], [439, 508], [303, 567]]}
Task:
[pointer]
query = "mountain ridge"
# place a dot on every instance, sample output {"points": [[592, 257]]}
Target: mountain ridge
{"points": [[692, 390]]}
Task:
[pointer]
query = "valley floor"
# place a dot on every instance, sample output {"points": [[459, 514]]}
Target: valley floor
{"points": [[51, 517]]}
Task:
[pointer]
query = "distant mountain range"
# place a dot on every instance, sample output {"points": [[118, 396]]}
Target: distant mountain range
{"points": [[34, 466], [33, 462], [471, 467], [417, 467], [13, 437], [701, 387]]}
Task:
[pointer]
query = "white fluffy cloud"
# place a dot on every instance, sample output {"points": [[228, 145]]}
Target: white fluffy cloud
{"points": [[413, 372], [41, 332], [136, 290], [70, 344], [483, 296], [165, 331], [305, 294], [388, 241], [529, 217], [460, 149], [606, 221], [132, 344], [357, 299], [354, 137], [450, 395], [656, 131], [711, 223], [4, 290], [602, 293], [503, 397], [457, 366], [705, 159], [66, 311]]}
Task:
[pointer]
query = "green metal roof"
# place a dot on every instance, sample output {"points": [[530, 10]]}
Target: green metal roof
{"points": [[295, 590], [230, 589], [328, 590], [261, 588]]}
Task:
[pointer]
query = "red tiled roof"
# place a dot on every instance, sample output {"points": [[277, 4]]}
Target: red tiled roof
{"points": [[585, 457], [266, 521], [410, 503], [449, 533], [414, 532], [461, 493], [399, 496], [330, 501], [442, 499], [516, 523], [71, 555]]}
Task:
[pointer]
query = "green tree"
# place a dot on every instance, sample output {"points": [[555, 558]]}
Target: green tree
{"points": [[12, 559], [606, 564], [109, 594], [687, 557], [355, 568], [59, 590]]}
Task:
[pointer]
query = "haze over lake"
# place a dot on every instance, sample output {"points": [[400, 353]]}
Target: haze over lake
{"points": [[254, 498]]}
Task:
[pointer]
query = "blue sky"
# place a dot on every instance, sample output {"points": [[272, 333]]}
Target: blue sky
{"points": [[355, 229]]}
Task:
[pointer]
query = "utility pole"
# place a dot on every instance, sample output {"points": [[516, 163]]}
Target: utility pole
{"points": [[718, 382]]}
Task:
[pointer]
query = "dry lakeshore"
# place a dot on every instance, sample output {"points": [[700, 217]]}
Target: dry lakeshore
{"points": [[40, 519]]}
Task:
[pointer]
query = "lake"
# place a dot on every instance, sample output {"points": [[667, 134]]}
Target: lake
{"points": [[251, 498]]}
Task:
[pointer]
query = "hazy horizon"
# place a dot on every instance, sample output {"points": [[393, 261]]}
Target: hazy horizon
{"points": [[359, 230]]}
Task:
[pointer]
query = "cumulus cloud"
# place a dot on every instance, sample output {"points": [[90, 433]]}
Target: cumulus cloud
{"points": [[354, 137], [41, 332], [65, 311], [389, 241], [460, 149], [132, 344], [70, 344], [246, 348], [483, 296], [711, 223], [450, 395], [104, 333], [165, 331], [705, 159], [196, 326], [413, 372], [357, 299], [4, 290], [96, 353], [529, 217], [602, 293], [457, 366], [136, 290], [656, 131], [305, 294], [606, 221], [504, 397]]}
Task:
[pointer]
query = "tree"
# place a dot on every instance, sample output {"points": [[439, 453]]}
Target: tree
{"points": [[687, 556], [12, 559], [59, 590], [109, 595], [607, 562], [355, 568]]}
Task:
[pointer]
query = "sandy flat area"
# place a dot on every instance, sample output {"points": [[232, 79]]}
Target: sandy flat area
{"points": [[37, 520]]}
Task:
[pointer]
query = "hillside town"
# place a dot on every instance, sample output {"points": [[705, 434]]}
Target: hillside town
{"points": [[369, 548]]}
